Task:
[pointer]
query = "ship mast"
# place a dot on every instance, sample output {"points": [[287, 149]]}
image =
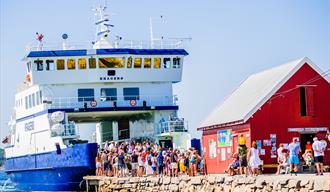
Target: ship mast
{"points": [[102, 28]]}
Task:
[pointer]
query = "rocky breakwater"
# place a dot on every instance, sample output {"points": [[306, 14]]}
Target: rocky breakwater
{"points": [[216, 183]]}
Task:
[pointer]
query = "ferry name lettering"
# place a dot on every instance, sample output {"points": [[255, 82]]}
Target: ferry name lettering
{"points": [[111, 78], [29, 126]]}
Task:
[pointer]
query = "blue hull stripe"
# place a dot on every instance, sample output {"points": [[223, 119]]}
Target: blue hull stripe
{"points": [[83, 52], [99, 109], [52, 171]]}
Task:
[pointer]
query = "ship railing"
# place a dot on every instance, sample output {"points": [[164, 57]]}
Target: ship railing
{"points": [[175, 125], [176, 43], [69, 131], [109, 101]]}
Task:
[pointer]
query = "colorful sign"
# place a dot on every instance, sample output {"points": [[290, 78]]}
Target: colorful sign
{"points": [[212, 149], [225, 138]]}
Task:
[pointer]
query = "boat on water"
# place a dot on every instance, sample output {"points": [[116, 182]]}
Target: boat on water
{"points": [[75, 99]]}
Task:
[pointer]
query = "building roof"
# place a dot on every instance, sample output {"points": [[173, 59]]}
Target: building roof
{"points": [[84, 52], [254, 92]]}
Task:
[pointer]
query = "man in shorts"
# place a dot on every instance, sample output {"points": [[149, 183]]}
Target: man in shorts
{"points": [[242, 153], [294, 149], [319, 148]]}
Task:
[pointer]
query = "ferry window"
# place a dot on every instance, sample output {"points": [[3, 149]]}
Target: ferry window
{"points": [[26, 102], [129, 62], [71, 64], [33, 100], [50, 66], [85, 94], [157, 63], [39, 65], [108, 94], [28, 65], [92, 63], [147, 62], [40, 96], [60, 64], [30, 101], [137, 62], [37, 98], [111, 62], [132, 93], [176, 62], [82, 63], [167, 62]]}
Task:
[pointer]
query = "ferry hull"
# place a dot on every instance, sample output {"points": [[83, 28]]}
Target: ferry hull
{"points": [[52, 171]]}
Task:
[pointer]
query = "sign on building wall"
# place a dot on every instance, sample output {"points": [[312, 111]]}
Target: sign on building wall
{"points": [[212, 148], [224, 138]]}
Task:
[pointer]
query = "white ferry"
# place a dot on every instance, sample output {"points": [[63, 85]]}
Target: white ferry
{"points": [[74, 99]]}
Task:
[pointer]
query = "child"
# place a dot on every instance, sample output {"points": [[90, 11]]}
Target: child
{"points": [[234, 165]]}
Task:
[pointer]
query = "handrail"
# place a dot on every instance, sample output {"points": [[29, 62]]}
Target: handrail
{"points": [[179, 43], [109, 101], [177, 125]]}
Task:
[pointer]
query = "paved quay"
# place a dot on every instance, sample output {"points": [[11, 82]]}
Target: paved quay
{"points": [[211, 183]]}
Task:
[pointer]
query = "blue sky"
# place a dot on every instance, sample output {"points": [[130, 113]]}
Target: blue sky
{"points": [[230, 40]]}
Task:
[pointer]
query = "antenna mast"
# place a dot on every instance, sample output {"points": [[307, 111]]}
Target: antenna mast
{"points": [[151, 34]]}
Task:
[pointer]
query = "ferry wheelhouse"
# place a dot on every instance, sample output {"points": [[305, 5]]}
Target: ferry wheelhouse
{"points": [[74, 99]]}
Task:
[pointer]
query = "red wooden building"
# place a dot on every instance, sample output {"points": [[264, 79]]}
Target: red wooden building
{"points": [[270, 107]]}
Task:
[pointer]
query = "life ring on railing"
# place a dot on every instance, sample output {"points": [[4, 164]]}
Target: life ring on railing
{"points": [[93, 103], [132, 102]]}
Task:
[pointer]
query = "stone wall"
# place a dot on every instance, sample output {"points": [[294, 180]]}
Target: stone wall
{"points": [[217, 184]]}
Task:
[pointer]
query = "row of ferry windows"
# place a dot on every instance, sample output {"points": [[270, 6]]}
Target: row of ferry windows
{"points": [[107, 62], [109, 94], [31, 100]]}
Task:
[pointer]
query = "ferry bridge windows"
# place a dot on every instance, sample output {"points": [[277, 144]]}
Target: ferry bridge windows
{"points": [[131, 93], [71, 63], [147, 62], [108, 94], [137, 62], [38, 65], [111, 62], [50, 65], [30, 101], [85, 94], [167, 63], [60, 64], [176, 63], [157, 62], [33, 98], [26, 102], [28, 65], [129, 62], [92, 63], [81, 63]]}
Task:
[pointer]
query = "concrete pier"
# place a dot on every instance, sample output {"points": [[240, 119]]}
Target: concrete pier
{"points": [[211, 183]]}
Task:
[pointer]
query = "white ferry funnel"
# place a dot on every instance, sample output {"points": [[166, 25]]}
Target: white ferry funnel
{"points": [[102, 28]]}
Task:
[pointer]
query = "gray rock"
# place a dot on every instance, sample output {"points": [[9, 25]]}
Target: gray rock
{"points": [[318, 185], [166, 180], [175, 180], [304, 182], [260, 183], [284, 190], [227, 188], [326, 185], [182, 184], [310, 185], [293, 183], [122, 180], [283, 181], [173, 187], [195, 181], [185, 178], [211, 179], [291, 190], [228, 180], [220, 179]]}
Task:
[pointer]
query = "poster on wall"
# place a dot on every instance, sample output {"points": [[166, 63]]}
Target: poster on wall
{"points": [[224, 138], [262, 152], [266, 142], [273, 145], [229, 153], [223, 154], [258, 142], [212, 148]]}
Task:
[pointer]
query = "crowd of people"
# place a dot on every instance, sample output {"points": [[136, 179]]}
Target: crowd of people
{"points": [[289, 158], [245, 161], [147, 158]]}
